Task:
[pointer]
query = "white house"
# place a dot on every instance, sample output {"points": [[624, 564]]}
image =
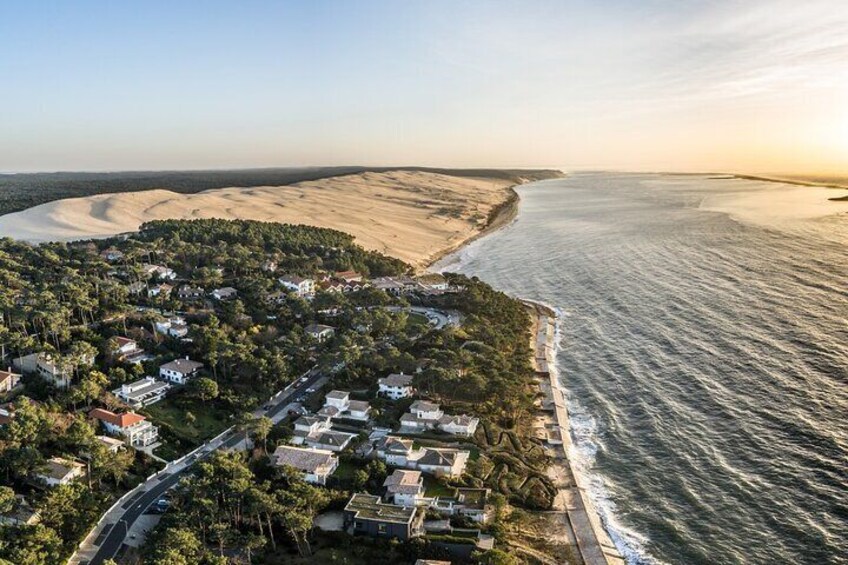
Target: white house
{"points": [[134, 428], [396, 386], [48, 367], [163, 289], [320, 332], [111, 255], [188, 292], [174, 326], [442, 462], [358, 410], [8, 380], [159, 272], [179, 371], [338, 399], [60, 471], [112, 444], [315, 464], [142, 392], [329, 440], [470, 502], [22, 514], [128, 350], [461, 425], [224, 293], [405, 488], [394, 450], [422, 415], [301, 286]]}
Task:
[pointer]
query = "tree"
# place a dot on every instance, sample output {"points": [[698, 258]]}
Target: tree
{"points": [[177, 546], [204, 388], [8, 502], [261, 428]]}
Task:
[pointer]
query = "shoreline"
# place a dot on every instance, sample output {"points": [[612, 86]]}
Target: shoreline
{"points": [[797, 182], [592, 539], [501, 216], [580, 517]]}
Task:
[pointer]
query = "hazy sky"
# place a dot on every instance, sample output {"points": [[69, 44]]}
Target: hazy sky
{"points": [[745, 85]]}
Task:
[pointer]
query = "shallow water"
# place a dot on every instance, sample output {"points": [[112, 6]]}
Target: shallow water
{"points": [[705, 359]]}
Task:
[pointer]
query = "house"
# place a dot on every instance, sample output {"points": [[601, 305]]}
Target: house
{"points": [[163, 290], [224, 293], [174, 326], [136, 288], [134, 428], [143, 392], [60, 471], [358, 410], [348, 276], [422, 415], [301, 286], [49, 367], [396, 386], [338, 399], [394, 450], [128, 350], [442, 462], [21, 514], [433, 282], [461, 425], [188, 292], [7, 414], [112, 444], [158, 272], [366, 514], [405, 488], [179, 371], [470, 502], [389, 285], [9, 380], [278, 297], [111, 255], [269, 266], [307, 426], [319, 332], [329, 440], [315, 464]]}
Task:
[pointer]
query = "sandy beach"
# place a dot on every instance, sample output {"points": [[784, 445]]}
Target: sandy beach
{"points": [[414, 216]]}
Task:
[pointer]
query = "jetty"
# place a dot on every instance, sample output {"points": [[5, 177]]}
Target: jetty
{"points": [[593, 542]]}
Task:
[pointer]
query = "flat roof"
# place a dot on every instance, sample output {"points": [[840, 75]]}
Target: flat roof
{"points": [[370, 507]]}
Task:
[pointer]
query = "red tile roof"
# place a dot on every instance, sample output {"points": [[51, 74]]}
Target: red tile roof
{"points": [[121, 420]]}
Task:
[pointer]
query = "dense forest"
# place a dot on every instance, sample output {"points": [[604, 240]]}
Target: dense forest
{"points": [[24, 190]]}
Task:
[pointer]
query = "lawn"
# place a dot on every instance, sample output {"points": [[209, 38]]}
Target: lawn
{"points": [[172, 412], [432, 488]]}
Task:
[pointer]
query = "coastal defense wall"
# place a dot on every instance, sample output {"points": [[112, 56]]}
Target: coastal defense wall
{"points": [[593, 542]]}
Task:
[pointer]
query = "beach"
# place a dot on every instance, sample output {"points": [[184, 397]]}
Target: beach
{"points": [[412, 215]]}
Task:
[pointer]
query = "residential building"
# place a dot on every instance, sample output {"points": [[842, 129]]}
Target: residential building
{"points": [[49, 367], [301, 286], [405, 488], [111, 255], [394, 450], [348, 276], [7, 414], [22, 514], [319, 332], [330, 440], [224, 293], [315, 464], [188, 292], [366, 514], [9, 380], [174, 326], [358, 410], [134, 428], [60, 471], [442, 462], [396, 386], [163, 290], [470, 502], [269, 266], [128, 350], [461, 425], [137, 287], [422, 415], [112, 444], [307, 426], [338, 399], [142, 392], [179, 371], [159, 272]]}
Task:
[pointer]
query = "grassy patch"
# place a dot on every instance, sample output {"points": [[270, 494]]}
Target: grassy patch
{"points": [[433, 487], [173, 413]]}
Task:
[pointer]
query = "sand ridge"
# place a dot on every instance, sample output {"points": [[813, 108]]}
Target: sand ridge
{"points": [[411, 215]]}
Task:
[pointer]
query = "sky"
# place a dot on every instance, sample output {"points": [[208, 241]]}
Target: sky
{"points": [[757, 86]]}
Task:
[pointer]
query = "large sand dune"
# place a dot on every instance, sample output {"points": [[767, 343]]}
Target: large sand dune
{"points": [[410, 215]]}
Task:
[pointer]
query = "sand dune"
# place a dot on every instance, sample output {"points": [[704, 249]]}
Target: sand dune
{"points": [[410, 215]]}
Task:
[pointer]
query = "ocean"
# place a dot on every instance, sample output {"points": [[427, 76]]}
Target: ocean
{"points": [[703, 348]]}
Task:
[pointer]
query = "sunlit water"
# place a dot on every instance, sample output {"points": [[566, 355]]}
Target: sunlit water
{"points": [[705, 360]]}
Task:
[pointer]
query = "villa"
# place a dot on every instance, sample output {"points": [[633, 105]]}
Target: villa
{"points": [[224, 293], [8, 380], [142, 392], [366, 514], [179, 371], [405, 488], [461, 425], [423, 415], [319, 332], [396, 386], [60, 471], [134, 428], [301, 286], [316, 465]]}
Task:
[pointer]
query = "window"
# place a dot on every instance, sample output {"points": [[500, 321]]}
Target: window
{"points": [[381, 528]]}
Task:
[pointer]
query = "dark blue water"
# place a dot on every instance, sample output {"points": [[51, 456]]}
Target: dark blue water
{"points": [[705, 361]]}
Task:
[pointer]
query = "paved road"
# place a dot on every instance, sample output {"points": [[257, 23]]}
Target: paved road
{"points": [[156, 487]]}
